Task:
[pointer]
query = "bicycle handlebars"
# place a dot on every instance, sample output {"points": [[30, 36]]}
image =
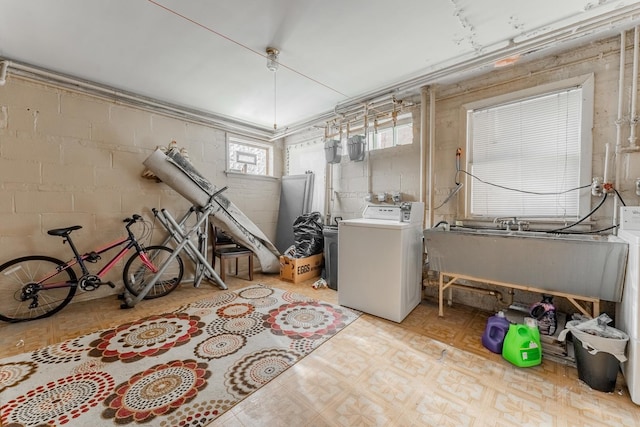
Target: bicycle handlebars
{"points": [[135, 218]]}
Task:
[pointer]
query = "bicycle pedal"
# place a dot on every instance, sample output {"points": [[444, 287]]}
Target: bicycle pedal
{"points": [[111, 285], [92, 257]]}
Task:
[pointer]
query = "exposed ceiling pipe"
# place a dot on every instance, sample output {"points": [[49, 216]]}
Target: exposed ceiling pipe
{"points": [[519, 45], [4, 65], [386, 99], [160, 107], [522, 45], [374, 108], [617, 19]]}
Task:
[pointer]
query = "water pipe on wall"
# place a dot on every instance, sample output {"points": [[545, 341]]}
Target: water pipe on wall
{"points": [[623, 43], [633, 119], [427, 137], [479, 290], [606, 164], [616, 164], [328, 188], [634, 89], [423, 147]]}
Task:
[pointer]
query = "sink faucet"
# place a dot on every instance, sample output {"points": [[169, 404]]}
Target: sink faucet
{"points": [[506, 222]]}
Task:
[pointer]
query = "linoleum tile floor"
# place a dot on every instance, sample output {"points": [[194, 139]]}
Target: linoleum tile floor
{"points": [[425, 371]]}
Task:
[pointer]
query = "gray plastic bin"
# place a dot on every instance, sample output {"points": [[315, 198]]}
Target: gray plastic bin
{"points": [[330, 234], [599, 349], [599, 371]]}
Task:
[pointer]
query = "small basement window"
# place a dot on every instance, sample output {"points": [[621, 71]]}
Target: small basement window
{"points": [[249, 156], [386, 135]]}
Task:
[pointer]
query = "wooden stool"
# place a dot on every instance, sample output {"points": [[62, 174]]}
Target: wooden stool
{"points": [[233, 253], [225, 248]]}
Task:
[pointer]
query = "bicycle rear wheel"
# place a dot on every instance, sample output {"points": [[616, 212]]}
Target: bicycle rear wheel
{"points": [[22, 296], [136, 274]]}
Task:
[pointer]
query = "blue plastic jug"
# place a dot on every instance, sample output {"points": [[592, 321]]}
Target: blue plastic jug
{"points": [[495, 331]]}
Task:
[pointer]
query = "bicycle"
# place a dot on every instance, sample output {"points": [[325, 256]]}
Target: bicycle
{"points": [[38, 286]]}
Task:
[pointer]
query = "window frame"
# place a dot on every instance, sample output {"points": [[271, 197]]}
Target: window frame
{"points": [[404, 120], [586, 83], [248, 142]]}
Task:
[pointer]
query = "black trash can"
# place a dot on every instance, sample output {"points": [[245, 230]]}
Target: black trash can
{"points": [[599, 370], [330, 234]]}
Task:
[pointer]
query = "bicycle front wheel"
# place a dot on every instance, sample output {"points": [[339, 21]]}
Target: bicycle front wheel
{"points": [[32, 287], [137, 275]]}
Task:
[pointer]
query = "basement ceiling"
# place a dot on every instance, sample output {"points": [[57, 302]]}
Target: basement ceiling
{"points": [[209, 56]]}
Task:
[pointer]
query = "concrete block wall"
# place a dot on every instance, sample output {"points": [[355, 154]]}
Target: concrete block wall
{"points": [[68, 158], [601, 59], [397, 169], [389, 170]]}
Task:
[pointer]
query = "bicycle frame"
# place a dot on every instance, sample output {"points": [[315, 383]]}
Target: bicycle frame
{"points": [[37, 286], [80, 260]]}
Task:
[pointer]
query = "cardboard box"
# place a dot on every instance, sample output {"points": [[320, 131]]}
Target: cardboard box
{"points": [[297, 270]]}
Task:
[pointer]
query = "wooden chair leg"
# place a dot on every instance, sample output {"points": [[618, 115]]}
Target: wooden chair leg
{"points": [[222, 269], [250, 266]]}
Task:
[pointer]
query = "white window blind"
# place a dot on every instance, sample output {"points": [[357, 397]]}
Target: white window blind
{"points": [[532, 145]]}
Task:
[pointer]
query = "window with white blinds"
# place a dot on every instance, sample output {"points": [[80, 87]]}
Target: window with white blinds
{"points": [[527, 156]]}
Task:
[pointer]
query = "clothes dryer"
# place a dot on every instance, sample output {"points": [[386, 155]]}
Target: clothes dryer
{"points": [[628, 316]]}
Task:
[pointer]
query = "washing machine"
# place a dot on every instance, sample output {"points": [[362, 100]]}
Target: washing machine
{"points": [[627, 311], [380, 260]]}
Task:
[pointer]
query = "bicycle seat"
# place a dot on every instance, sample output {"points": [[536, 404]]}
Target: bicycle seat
{"points": [[63, 231]]}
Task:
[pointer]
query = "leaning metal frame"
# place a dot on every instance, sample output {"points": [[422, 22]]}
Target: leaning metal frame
{"points": [[176, 234], [183, 239]]}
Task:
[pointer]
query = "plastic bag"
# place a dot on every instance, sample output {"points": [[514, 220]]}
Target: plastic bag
{"points": [[545, 313], [308, 236], [596, 336]]}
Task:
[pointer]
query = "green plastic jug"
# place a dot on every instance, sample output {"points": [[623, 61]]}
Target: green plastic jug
{"points": [[522, 344]]}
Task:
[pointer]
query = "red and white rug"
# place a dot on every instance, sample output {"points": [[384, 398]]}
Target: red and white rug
{"points": [[183, 368]]}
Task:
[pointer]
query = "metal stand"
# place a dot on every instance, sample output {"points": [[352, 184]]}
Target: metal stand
{"points": [[182, 238], [176, 234]]}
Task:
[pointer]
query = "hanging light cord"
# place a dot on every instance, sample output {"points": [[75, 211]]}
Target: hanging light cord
{"points": [[275, 97]]}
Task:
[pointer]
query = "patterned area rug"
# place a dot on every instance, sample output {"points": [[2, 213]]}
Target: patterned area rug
{"points": [[183, 368]]}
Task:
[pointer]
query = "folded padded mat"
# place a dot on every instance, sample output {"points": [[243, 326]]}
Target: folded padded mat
{"points": [[175, 171]]}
